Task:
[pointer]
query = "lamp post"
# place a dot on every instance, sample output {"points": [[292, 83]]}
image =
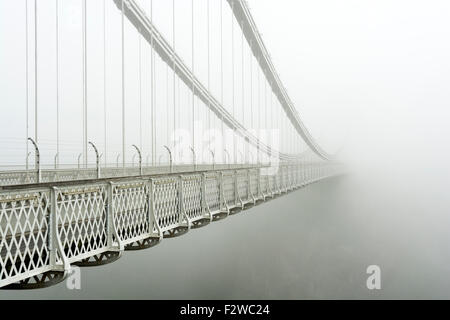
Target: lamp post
{"points": [[170, 158], [97, 159], [140, 159]]}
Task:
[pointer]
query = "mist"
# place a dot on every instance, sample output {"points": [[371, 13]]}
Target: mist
{"points": [[371, 81]]}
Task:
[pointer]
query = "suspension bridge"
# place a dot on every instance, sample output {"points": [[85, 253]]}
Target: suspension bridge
{"points": [[131, 143]]}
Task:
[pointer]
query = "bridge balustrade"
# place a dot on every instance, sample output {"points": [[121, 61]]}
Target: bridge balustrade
{"points": [[45, 230]]}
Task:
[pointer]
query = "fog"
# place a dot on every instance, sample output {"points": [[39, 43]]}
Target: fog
{"points": [[315, 243], [371, 80]]}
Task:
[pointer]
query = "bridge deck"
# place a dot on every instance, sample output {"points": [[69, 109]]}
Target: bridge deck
{"points": [[51, 225]]}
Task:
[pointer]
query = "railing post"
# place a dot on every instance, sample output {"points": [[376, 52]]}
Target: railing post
{"points": [[305, 172], [54, 243], [181, 209], [109, 214], [236, 193], [260, 195], [52, 225], [281, 179], [152, 211], [149, 203], [291, 177], [203, 196], [249, 189], [180, 197], [221, 198]]}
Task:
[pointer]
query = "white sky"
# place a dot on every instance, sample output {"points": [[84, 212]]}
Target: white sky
{"points": [[377, 72]]}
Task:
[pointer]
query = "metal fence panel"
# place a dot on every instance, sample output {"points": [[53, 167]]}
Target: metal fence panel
{"points": [[192, 196], [212, 193], [229, 189], [130, 209], [166, 202], [24, 235], [81, 220]]}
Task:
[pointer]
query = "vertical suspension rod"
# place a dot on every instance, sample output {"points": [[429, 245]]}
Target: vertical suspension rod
{"points": [[84, 36], [123, 86], [57, 81]]}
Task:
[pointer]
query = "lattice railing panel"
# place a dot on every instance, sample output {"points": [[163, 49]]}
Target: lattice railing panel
{"points": [[192, 196], [253, 176], [212, 192], [131, 210], [67, 175], [81, 220], [166, 202], [229, 188], [242, 185], [17, 177], [24, 234], [271, 183], [287, 177], [264, 183], [277, 181]]}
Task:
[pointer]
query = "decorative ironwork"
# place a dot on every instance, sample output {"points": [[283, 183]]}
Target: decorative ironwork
{"points": [[43, 231]]}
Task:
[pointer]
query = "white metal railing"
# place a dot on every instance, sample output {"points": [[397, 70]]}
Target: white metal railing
{"points": [[22, 177], [47, 229]]}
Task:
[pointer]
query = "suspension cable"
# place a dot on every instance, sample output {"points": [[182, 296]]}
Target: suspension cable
{"points": [[251, 85], [57, 81], [167, 103], [123, 86], [221, 70], [243, 77], [243, 87], [265, 108], [209, 70], [271, 124], [35, 73], [192, 76], [152, 84], [258, 113], [104, 86], [140, 87], [26, 84], [84, 37], [232, 78], [174, 66]]}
